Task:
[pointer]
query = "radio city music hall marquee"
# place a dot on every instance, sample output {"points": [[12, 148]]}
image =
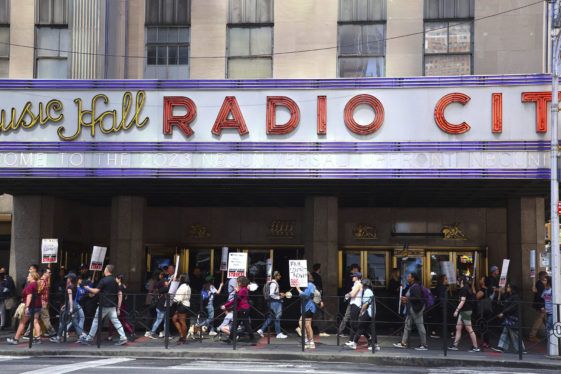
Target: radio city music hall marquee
{"points": [[276, 129]]}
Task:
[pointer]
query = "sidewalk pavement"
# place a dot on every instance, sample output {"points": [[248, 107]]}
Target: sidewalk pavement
{"points": [[290, 349]]}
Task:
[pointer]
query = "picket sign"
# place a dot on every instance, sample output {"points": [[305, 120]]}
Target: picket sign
{"points": [[98, 256], [237, 264], [298, 273], [49, 251]]}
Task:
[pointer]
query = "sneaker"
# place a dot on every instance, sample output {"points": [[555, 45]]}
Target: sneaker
{"points": [[84, 340], [349, 343], [475, 349], [352, 345], [37, 341], [400, 345], [212, 333], [55, 339], [422, 348], [498, 349], [298, 331], [312, 345], [162, 335], [181, 341], [25, 337], [377, 347], [109, 338], [434, 336], [260, 332], [324, 334], [453, 347], [12, 341], [282, 336], [122, 342], [149, 334]]}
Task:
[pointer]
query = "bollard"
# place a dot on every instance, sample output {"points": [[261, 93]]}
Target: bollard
{"points": [[234, 332], [520, 330], [166, 322], [372, 323], [303, 328], [337, 320], [269, 325], [444, 306], [99, 320]]}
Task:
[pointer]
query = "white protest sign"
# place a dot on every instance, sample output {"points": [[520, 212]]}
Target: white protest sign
{"points": [[224, 261], [49, 251], [504, 272], [447, 267], [533, 263], [237, 264], [269, 269], [173, 286], [98, 256], [298, 273], [176, 267]]}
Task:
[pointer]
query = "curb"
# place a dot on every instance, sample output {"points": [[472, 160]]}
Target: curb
{"points": [[365, 358]]}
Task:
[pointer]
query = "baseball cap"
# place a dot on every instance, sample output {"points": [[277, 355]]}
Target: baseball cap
{"points": [[275, 273], [357, 274], [70, 275], [209, 278], [493, 268]]}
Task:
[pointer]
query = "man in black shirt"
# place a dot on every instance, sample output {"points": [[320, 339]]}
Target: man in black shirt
{"points": [[110, 301]]}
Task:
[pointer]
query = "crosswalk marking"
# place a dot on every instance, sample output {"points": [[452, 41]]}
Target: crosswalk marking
{"points": [[61, 369]]}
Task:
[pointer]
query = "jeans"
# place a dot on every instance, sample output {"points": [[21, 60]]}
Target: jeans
{"points": [[549, 324], [112, 313], [160, 316], [79, 314], [275, 315], [75, 321], [210, 316], [504, 341], [417, 319]]}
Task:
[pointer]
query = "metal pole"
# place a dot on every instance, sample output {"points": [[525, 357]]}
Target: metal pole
{"points": [[269, 325], [166, 322], [134, 316], [234, 331], [32, 310], [520, 330], [444, 306], [555, 255], [372, 324], [337, 319], [99, 320], [303, 328], [201, 306]]}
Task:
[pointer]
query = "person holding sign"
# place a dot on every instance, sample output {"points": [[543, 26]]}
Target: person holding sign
{"points": [[309, 310], [243, 308], [109, 290]]}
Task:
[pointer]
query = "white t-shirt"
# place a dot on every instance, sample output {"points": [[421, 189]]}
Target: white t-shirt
{"points": [[357, 300]]}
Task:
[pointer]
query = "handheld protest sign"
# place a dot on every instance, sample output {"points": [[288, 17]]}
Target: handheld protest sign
{"points": [[447, 267], [237, 264], [98, 257], [298, 273], [176, 267], [224, 260], [533, 263], [173, 286], [504, 272], [49, 251], [269, 269]]}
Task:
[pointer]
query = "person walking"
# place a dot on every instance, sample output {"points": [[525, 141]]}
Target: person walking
{"points": [[464, 312], [348, 286], [211, 292], [4, 294], [243, 308], [547, 296], [122, 307], [275, 300], [355, 302], [309, 310], [70, 309], [435, 316], [45, 316], [484, 309], [30, 291], [510, 320], [108, 290], [162, 289], [539, 306], [320, 315], [181, 301], [367, 312], [414, 301]]}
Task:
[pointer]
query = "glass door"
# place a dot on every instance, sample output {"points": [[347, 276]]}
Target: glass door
{"points": [[410, 265], [434, 260], [376, 267]]}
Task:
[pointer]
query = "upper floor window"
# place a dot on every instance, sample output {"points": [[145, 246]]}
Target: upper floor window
{"points": [[361, 43], [52, 39], [167, 39], [4, 38], [250, 39], [448, 37]]}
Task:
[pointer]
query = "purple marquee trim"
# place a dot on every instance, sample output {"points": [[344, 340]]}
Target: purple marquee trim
{"points": [[364, 83], [278, 173], [334, 147]]}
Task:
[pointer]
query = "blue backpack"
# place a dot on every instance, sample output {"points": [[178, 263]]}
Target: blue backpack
{"points": [[428, 296]]}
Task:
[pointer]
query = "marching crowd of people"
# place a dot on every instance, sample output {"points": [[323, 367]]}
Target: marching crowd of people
{"points": [[81, 303]]}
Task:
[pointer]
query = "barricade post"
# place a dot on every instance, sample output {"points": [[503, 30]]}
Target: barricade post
{"points": [[234, 330], [201, 303], [372, 324], [32, 310], [99, 320], [303, 328], [63, 318], [134, 316], [166, 322], [337, 320], [444, 336], [520, 330], [269, 325]]}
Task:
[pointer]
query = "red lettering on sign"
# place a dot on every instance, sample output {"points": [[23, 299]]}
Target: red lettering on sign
{"points": [[441, 122], [497, 112], [237, 122], [541, 99], [378, 114], [180, 121], [322, 115], [272, 127]]}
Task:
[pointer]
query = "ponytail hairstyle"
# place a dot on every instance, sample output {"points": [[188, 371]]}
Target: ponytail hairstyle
{"points": [[36, 278], [467, 283]]}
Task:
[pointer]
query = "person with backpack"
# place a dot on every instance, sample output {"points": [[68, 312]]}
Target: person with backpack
{"points": [[208, 293], [414, 300], [510, 320], [271, 293], [464, 312], [539, 306], [309, 309], [355, 301], [367, 312], [243, 308], [159, 293]]}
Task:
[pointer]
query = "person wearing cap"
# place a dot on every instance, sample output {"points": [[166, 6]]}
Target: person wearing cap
{"points": [[354, 269], [70, 309], [492, 282], [275, 298], [210, 291], [355, 297], [414, 301]]}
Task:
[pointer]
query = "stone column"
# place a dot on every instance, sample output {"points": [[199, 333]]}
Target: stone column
{"points": [[321, 242], [526, 231], [32, 220], [127, 238]]}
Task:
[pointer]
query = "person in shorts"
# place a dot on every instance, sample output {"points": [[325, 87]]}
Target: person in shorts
{"points": [[464, 312]]}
